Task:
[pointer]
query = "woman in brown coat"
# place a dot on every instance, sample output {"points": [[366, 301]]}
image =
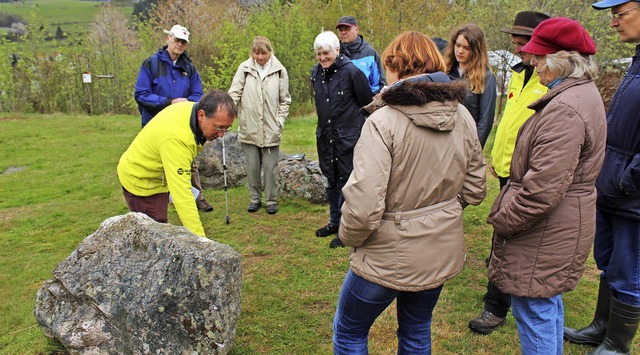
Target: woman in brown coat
{"points": [[544, 219]]}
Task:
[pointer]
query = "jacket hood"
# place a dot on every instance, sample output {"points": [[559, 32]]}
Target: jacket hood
{"points": [[427, 103]]}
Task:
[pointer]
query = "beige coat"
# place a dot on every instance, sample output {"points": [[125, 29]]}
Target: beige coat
{"points": [[418, 161], [544, 218], [263, 103]]}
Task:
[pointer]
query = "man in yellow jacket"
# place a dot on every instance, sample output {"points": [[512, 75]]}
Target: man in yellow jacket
{"points": [[524, 89], [158, 161]]}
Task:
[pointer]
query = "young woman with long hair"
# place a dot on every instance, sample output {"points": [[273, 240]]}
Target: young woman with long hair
{"points": [[466, 58]]}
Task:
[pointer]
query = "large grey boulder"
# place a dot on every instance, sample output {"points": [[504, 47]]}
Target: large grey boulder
{"points": [[136, 286], [210, 163]]}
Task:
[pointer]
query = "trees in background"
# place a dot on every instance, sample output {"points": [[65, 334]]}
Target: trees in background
{"points": [[221, 36]]}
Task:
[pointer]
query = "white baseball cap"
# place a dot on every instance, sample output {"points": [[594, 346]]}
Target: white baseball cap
{"points": [[179, 32]]}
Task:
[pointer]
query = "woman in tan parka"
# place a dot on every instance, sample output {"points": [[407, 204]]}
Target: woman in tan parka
{"points": [[417, 163], [260, 88]]}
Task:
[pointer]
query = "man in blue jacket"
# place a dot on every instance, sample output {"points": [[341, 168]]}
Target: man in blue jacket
{"points": [[617, 242], [362, 55], [166, 78]]}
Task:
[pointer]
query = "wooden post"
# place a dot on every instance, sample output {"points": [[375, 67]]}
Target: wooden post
{"points": [[86, 79]]}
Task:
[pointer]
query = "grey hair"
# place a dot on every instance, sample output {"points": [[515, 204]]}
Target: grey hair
{"points": [[572, 65], [327, 40]]}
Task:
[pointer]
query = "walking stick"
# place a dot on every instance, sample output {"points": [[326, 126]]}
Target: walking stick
{"points": [[224, 172]]}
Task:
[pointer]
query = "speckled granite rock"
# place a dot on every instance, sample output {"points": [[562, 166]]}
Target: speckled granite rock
{"points": [[136, 286]]}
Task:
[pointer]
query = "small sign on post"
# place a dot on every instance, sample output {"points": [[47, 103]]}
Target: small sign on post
{"points": [[86, 79]]}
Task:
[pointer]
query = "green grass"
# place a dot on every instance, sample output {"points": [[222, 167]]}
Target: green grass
{"points": [[291, 279], [70, 15]]}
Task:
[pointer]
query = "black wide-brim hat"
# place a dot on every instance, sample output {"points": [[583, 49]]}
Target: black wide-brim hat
{"points": [[525, 23]]}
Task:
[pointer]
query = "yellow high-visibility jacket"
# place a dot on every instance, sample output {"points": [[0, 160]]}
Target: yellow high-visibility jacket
{"points": [[159, 160], [516, 112]]}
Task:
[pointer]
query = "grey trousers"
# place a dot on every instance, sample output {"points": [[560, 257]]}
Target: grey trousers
{"points": [[265, 161]]}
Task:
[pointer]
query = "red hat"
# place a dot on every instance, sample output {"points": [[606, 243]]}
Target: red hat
{"points": [[560, 34]]}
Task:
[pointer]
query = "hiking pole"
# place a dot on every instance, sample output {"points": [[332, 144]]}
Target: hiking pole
{"points": [[224, 173]]}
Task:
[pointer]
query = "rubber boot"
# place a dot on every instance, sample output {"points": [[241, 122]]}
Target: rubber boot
{"points": [[622, 327], [593, 334]]}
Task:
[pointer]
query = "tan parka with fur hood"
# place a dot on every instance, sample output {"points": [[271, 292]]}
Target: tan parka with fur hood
{"points": [[417, 163], [263, 103]]}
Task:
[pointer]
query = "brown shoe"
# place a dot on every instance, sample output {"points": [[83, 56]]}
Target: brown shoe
{"points": [[486, 323], [204, 206]]}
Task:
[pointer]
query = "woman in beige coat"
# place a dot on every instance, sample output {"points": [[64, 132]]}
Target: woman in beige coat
{"points": [[260, 88], [417, 163], [544, 218]]}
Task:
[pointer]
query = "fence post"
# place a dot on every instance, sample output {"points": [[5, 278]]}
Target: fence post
{"points": [[86, 79]]}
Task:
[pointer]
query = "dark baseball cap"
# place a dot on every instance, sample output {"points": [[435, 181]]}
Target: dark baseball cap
{"points": [[347, 21]]}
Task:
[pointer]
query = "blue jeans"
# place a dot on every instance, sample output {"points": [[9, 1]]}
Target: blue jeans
{"points": [[335, 199], [362, 301], [540, 323], [617, 253]]}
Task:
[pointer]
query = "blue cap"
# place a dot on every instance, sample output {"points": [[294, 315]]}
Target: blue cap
{"points": [[605, 4]]}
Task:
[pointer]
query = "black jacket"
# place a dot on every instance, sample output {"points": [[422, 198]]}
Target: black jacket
{"points": [[340, 92], [482, 106]]}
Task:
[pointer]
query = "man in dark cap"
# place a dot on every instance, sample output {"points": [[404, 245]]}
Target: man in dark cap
{"points": [[524, 88], [616, 246], [354, 46]]}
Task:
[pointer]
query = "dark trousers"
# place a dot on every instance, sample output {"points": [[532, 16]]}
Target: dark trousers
{"points": [[335, 199], [154, 206], [195, 180], [495, 301]]}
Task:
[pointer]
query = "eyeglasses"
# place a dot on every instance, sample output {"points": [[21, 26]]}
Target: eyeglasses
{"points": [[221, 128], [619, 15]]}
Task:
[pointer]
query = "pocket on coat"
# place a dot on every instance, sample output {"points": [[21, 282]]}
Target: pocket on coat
{"points": [[608, 181]]}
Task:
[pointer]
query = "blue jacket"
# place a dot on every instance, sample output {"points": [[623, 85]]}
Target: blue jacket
{"points": [[155, 92], [340, 92], [366, 58], [619, 180]]}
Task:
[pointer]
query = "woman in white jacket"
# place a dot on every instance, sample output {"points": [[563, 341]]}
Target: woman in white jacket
{"points": [[260, 89]]}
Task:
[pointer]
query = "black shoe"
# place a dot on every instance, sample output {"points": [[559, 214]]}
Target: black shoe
{"points": [[272, 209], [254, 206], [203, 205], [486, 323], [327, 230], [336, 243]]}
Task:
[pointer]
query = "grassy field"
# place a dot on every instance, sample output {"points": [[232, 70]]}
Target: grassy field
{"points": [[70, 15], [58, 183]]}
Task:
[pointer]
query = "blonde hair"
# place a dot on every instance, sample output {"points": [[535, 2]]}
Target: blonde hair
{"points": [[478, 61], [412, 53], [261, 44], [572, 65]]}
